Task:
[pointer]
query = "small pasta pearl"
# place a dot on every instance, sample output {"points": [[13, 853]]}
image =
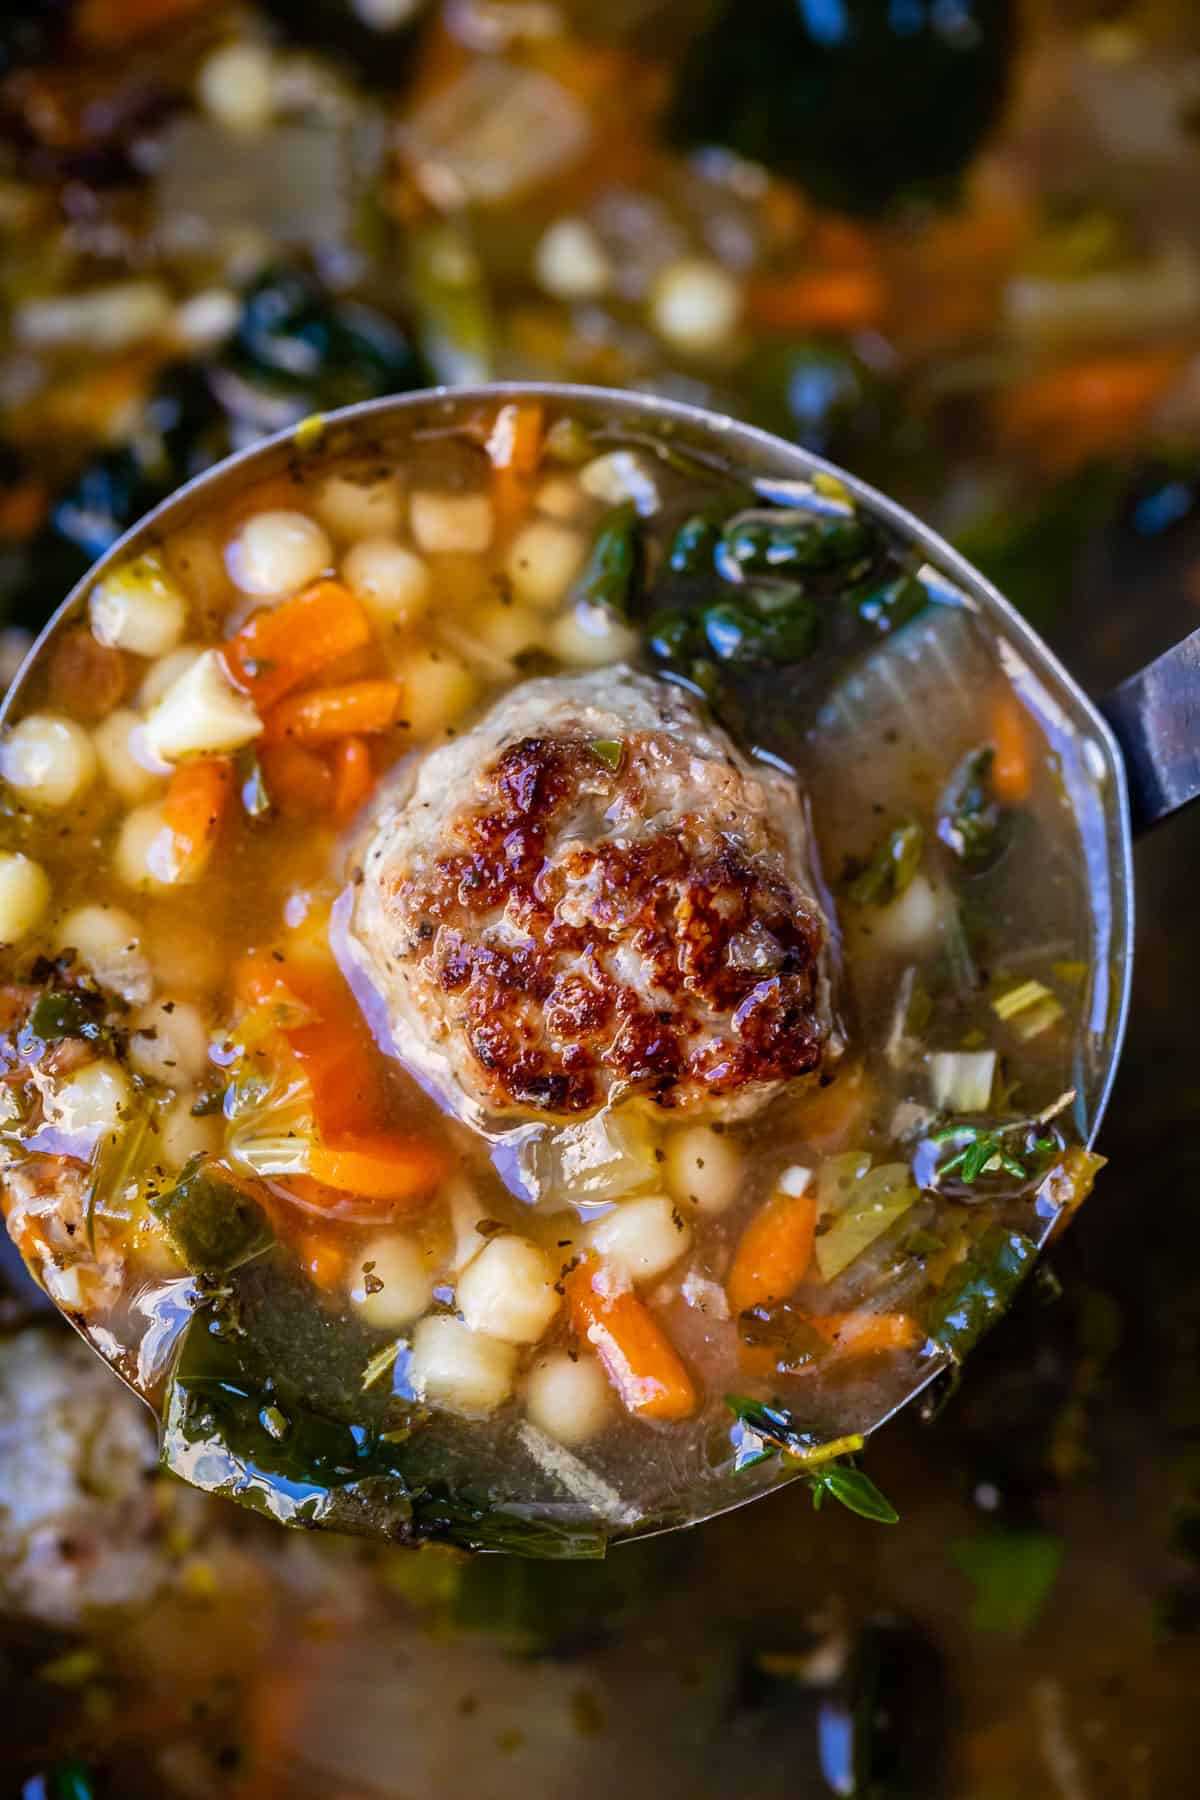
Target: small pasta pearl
{"points": [[508, 1291], [451, 521], [169, 1043], [108, 942], [275, 553], [561, 497], [91, 1104], [568, 1400], [48, 761], [543, 560], [704, 1169], [146, 857], [590, 636], [393, 583], [359, 509], [453, 1366], [24, 895], [508, 629], [570, 262], [695, 306], [138, 608], [121, 767], [436, 688], [181, 1135], [642, 1237], [399, 1264], [236, 87]]}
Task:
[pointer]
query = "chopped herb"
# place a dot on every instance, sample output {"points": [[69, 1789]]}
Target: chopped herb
{"points": [[380, 1363], [969, 818], [214, 1223], [824, 1471], [980, 1290], [610, 751], [1012, 1570], [68, 1013], [855, 1491], [609, 574], [891, 868], [786, 1332], [210, 1102]]}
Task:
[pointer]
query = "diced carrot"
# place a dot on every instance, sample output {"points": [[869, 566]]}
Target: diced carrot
{"points": [[196, 802], [356, 709], [1070, 414], [638, 1357], [297, 781], [22, 508], [775, 1250], [111, 24], [377, 1167], [353, 778], [515, 448], [1012, 765], [322, 1258], [819, 300], [867, 1333], [332, 1046], [284, 645], [827, 1115]]}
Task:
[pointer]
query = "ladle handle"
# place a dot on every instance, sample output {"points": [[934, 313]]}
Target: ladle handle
{"points": [[1155, 716]]}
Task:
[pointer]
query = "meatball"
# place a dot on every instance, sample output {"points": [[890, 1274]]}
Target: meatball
{"points": [[593, 894]]}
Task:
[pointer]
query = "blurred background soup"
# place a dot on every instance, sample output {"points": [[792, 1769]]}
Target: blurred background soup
{"points": [[953, 245]]}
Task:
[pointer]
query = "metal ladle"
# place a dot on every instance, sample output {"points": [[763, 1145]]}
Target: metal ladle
{"points": [[1138, 761]]}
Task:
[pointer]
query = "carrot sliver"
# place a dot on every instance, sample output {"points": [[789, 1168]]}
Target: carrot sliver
{"points": [[353, 778], [333, 1047], [515, 448], [1012, 764], [774, 1252], [638, 1357], [358, 708], [284, 645], [196, 802], [867, 1333], [377, 1167], [297, 781], [831, 300]]}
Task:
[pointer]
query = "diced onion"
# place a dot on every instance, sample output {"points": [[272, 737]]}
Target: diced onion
{"points": [[961, 1080], [601, 1159], [201, 714]]}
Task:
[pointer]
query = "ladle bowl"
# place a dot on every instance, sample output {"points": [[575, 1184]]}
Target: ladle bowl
{"points": [[1136, 757]]}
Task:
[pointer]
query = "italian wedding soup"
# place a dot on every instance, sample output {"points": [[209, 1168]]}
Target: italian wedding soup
{"points": [[549, 981]]}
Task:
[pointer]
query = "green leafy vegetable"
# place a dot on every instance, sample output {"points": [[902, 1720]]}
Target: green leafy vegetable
{"points": [[891, 868], [761, 545], [969, 817], [761, 634], [893, 604], [882, 1196], [213, 1223], [692, 548], [611, 569], [68, 1013], [980, 1290], [1012, 1570], [70, 1781]]}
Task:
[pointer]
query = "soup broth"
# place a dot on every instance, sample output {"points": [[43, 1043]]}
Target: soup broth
{"points": [[423, 1195]]}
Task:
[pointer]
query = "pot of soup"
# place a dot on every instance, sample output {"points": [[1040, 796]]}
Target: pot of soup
{"points": [[562, 957]]}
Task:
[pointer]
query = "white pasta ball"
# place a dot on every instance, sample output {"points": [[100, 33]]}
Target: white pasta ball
{"points": [[108, 942], [236, 87], [453, 1366], [201, 714], [169, 1043], [146, 856], [704, 1168], [393, 1282], [91, 1104], [570, 262], [642, 1238], [164, 673], [443, 521], [273, 554], [619, 476], [507, 628], [508, 1290], [561, 497], [181, 1135], [48, 761], [114, 742], [436, 688], [543, 560], [589, 636], [24, 895], [137, 607], [359, 509], [393, 582], [568, 1398], [695, 306]]}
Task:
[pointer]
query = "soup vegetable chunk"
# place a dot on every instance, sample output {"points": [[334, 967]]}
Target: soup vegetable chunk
{"points": [[524, 1017]]}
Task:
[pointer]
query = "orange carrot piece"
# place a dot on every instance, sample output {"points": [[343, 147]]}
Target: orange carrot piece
{"points": [[111, 24], [297, 781], [324, 1260], [1012, 765], [358, 708], [827, 1115], [1088, 406], [825, 300], [353, 778], [377, 1167], [638, 1357], [867, 1333], [196, 803], [333, 1048], [284, 645], [775, 1250], [515, 448]]}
